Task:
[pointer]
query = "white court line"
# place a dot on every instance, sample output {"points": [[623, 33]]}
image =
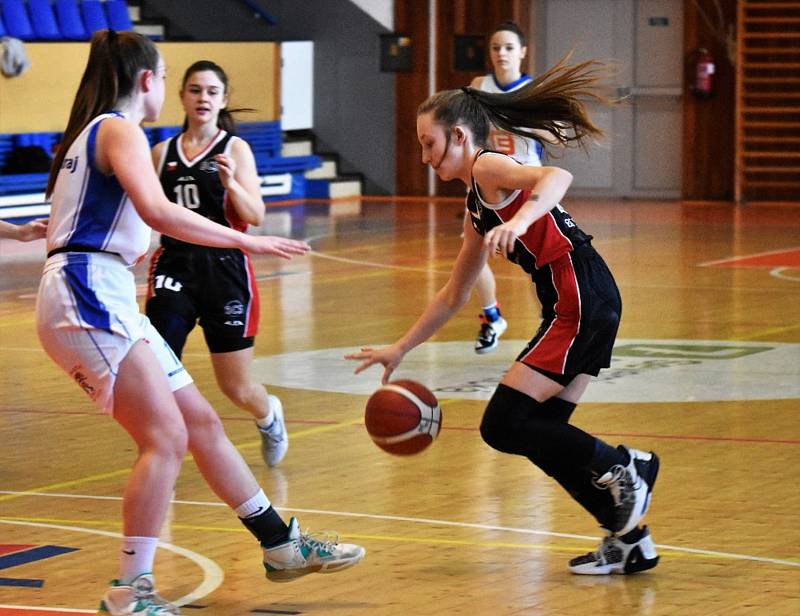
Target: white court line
{"points": [[212, 572], [435, 522], [779, 272], [750, 256]]}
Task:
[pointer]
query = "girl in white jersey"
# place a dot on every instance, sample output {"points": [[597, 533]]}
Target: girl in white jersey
{"points": [[105, 199], [514, 210], [507, 50]]}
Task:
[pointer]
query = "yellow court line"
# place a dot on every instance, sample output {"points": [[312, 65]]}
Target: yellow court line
{"points": [[67, 484], [125, 471], [769, 332]]}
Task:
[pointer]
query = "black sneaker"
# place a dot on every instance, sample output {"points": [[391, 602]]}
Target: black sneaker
{"points": [[614, 556], [630, 488], [488, 336]]}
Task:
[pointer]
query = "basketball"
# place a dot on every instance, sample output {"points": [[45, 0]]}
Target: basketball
{"points": [[403, 417]]}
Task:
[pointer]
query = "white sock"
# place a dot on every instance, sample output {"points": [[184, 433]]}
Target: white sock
{"points": [[256, 504], [136, 557], [266, 421]]}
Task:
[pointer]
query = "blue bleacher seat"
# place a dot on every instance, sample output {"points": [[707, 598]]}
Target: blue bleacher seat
{"points": [[16, 20], [69, 20], [43, 20], [118, 16], [94, 17]]}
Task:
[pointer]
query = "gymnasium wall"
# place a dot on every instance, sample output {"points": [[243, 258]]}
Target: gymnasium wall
{"points": [[354, 104], [40, 99]]}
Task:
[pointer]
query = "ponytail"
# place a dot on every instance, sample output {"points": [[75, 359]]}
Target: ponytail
{"points": [[115, 59]]}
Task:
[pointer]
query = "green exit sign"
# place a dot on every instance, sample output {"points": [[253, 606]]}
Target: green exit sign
{"points": [[658, 22]]}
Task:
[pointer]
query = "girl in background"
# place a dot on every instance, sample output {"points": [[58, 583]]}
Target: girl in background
{"points": [[210, 171], [507, 51]]}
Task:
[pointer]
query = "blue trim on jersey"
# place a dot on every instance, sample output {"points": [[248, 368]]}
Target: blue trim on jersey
{"points": [[100, 205], [89, 307], [514, 84]]}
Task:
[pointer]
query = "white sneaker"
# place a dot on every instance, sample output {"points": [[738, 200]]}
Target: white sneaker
{"points": [[302, 554], [488, 336], [630, 491], [615, 556], [139, 598], [274, 439]]}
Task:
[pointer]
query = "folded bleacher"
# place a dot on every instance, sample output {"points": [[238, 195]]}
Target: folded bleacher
{"points": [[282, 177], [61, 20]]}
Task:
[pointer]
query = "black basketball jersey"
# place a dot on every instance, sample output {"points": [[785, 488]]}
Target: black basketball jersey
{"points": [[548, 238], [195, 184]]}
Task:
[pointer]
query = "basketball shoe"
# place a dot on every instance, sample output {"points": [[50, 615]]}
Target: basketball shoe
{"points": [[630, 487], [274, 439], [302, 554], [138, 598], [614, 555], [488, 336]]}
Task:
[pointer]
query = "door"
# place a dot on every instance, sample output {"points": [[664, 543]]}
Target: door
{"points": [[297, 85], [640, 157]]}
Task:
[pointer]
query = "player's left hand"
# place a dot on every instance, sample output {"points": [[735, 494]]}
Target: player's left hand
{"points": [[226, 167]]}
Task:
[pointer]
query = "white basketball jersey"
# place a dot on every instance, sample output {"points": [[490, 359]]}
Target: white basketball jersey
{"points": [[90, 210], [526, 151]]}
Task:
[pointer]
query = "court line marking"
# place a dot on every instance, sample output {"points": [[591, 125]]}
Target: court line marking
{"points": [[754, 255], [439, 522], [35, 608], [212, 572]]}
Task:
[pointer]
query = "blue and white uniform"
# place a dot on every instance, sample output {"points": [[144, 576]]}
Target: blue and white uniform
{"points": [[526, 151], [86, 311]]}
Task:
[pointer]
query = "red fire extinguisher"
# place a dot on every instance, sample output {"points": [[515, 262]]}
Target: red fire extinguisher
{"points": [[704, 68]]}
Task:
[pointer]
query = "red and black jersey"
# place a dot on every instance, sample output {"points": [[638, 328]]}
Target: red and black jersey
{"points": [[550, 237], [194, 183]]}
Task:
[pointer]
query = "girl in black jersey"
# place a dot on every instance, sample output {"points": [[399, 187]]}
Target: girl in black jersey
{"points": [[212, 172], [514, 210]]}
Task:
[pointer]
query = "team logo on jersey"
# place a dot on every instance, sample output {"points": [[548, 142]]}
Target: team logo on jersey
{"points": [[209, 166], [234, 308], [70, 164], [172, 166], [186, 178]]}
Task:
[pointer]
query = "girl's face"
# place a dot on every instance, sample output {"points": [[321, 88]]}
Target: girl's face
{"points": [[202, 96], [155, 95], [506, 52], [445, 156]]}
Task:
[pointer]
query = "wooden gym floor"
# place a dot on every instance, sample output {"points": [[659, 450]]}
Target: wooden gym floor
{"points": [[706, 372]]}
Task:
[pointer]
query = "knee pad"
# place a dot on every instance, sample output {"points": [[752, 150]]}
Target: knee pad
{"points": [[505, 412]]}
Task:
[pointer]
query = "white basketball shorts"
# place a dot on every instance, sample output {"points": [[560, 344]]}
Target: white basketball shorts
{"points": [[88, 319]]}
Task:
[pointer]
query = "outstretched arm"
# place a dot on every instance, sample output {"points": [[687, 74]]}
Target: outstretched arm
{"points": [[122, 149], [447, 301], [33, 230]]}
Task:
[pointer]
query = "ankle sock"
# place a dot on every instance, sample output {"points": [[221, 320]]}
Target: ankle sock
{"points": [[492, 313]]}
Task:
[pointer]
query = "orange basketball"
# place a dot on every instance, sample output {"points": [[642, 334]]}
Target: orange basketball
{"points": [[403, 417]]}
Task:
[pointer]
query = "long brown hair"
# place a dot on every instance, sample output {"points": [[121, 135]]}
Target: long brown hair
{"points": [[115, 59], [553, 102], [225, 119]]}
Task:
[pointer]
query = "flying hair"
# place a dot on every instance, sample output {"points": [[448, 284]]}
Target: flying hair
{"points": [[553, 103]]}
